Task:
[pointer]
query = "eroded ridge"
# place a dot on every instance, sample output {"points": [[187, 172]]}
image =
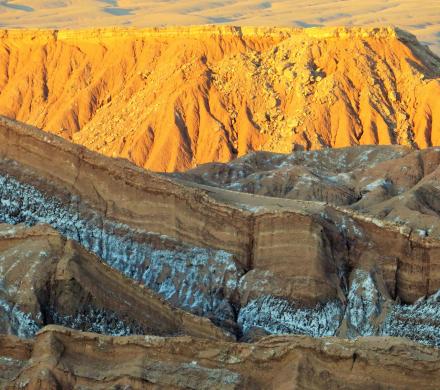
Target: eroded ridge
{"points": [[65, 358], [252, 264], [47, 279], [170, 99]]}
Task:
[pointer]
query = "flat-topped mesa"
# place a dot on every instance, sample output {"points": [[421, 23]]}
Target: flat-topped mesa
{"points": [[251, 35], [204, 31], [169, 99], [109, 36]]}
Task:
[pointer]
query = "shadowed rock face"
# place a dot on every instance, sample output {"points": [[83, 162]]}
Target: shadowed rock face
{"points": [[169, 99]]}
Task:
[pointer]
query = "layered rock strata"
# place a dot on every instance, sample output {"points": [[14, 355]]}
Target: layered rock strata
{"points": [[62, 358], [133, 200], [394, 186], [46, 279], [252, 264]]}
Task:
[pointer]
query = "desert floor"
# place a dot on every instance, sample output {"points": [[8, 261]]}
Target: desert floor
{"points": [[422, 18]]}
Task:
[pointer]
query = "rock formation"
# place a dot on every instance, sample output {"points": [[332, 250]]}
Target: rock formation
{"points": [[62, 358], [252, 264], [393, 186], [170, 99], [47, 279], [195, 279]]}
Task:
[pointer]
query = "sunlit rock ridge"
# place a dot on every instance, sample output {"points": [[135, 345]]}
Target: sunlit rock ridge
{"points": [[172, 98]]}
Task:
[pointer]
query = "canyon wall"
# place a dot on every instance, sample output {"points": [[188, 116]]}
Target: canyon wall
{"points": [[143, 200], [244, 261]]}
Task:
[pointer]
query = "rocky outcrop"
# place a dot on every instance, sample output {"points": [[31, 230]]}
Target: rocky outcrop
{"points": [[62, 358], [252, 264], [170, 99], [46, 279], [108, 201], [393, 187]]}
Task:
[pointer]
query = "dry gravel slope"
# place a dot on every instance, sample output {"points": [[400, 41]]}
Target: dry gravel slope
{"points": [[170, 99]]}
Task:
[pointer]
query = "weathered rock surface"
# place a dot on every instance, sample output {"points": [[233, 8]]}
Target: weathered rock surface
{"points": [[424, 21], [169, 99], [251, 264], [46, 279], [392, 185], [62, 358], [118, 211]]}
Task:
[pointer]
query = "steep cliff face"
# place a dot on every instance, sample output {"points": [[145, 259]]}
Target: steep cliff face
{"points": [[96, 200], [393, 185], [169, 99], [252, 264]]}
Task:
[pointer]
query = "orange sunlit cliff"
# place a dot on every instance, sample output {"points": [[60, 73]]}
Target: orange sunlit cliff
{"points": [[170, 99]]}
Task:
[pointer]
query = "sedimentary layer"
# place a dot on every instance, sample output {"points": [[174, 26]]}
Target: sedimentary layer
{"points": [[62, 358], [252, 264], [394, 185], [47, 279], [120, 193]]}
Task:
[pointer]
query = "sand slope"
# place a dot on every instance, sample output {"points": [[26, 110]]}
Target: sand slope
{"points": [[420, 18]]}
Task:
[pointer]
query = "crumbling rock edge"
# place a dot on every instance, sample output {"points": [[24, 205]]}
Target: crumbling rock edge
{"points": [[60, 357]]}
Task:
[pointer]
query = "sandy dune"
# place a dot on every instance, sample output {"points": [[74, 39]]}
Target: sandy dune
{"points": [[419, 17]]}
